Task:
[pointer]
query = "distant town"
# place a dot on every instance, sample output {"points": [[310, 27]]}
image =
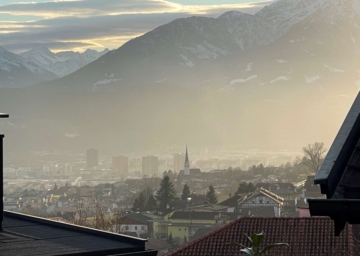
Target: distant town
{"points": [[122, 193]]}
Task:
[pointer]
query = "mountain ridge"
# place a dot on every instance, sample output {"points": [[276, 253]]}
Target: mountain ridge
{"points": [[40, 64], [211, 81]]}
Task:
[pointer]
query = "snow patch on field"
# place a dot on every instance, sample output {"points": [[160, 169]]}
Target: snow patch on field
{"points": [[281, 61], [248, 67], [310, 79], [188, 62], [335, 70], [280, 78], [106, 81], [241, 80]]}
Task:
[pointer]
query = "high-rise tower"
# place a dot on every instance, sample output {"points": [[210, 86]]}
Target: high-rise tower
{"points": [[186, 164]]}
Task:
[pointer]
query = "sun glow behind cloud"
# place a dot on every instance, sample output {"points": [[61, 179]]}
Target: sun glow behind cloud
{"points": [[81, 24]]}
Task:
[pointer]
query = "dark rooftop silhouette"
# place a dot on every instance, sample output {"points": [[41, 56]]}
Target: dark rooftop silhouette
{"points": [[339, 176]]}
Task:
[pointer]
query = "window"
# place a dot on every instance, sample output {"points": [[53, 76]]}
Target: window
{"points": [[268, 201], [179, 229], [185, 229], [260, 201], [142, 227], [135, 227], [126, 227]]}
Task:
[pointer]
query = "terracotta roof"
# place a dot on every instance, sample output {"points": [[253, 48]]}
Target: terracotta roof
{"points": [[306, 236]]}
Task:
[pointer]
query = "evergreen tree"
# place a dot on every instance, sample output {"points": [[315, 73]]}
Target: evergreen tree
{"points": [[251, 187], [245, 187], [186, 192], [151, 204], [166, 194], [135, 206], [141, 202], [210, 197]]}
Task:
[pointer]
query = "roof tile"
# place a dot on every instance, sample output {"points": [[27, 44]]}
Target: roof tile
{"points": [[306, 236]]}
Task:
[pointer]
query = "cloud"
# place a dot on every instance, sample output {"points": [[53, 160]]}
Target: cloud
{"points": [[87, 8], [83, 24]]}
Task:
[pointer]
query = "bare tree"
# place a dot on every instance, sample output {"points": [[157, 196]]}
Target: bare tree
{"points": [[313, 156]]}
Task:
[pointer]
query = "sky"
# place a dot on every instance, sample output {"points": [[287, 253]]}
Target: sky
{"points": [[63, 25]]}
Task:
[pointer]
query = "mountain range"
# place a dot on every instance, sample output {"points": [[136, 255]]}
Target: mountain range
{"points": [[284, 76], [40, 64], [235, 49]]}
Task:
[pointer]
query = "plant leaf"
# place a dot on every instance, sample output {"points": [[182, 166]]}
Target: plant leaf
{"points": [[271, 246], [249, 238], [257, 239], [248, 251], [235, 244]]}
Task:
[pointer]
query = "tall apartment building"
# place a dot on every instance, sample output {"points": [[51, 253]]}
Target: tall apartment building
{"points": [[121, 164], [179, 160], [92, 158], [150, 165]]}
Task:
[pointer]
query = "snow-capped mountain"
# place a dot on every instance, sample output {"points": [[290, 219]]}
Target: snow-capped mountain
{"points": [[286, 75], [61, 63], [290, 41], [40, 65], [16, 71]]}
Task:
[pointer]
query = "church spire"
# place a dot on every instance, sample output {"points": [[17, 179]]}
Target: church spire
{"points": [[187, 163]]}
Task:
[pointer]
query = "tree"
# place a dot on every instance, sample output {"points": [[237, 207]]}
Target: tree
{"points": [[210, 197], [151, 204], [313, 156], [255, 242], [170, 239], [245, 187], [141, 202], [251, 187], [166, 194], [135, 206], [186, 192]]}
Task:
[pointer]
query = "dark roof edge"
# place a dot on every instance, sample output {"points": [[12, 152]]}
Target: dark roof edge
{"points": [[339, 210], [340, 151], [92, 231]]}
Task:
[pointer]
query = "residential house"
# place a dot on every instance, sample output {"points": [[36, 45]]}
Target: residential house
{"points": [[261, 198], [184, 224], [136, 223]]}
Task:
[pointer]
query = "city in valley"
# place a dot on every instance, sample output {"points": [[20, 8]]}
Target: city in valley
{"points": [[180, 128]]}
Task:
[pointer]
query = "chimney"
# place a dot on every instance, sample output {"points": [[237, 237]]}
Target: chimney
{"points": [[2, 175]]}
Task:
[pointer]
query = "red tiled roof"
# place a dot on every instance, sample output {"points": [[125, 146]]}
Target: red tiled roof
{"points": [[306, 237]]}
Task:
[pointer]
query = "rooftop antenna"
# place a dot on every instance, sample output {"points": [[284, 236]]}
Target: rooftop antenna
{"points": [[2, 175]]}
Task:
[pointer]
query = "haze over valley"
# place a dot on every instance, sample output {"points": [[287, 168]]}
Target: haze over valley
{"points": [[276, 80]]}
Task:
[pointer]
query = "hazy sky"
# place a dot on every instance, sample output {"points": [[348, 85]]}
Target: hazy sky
{"points": [[97, 24]]}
